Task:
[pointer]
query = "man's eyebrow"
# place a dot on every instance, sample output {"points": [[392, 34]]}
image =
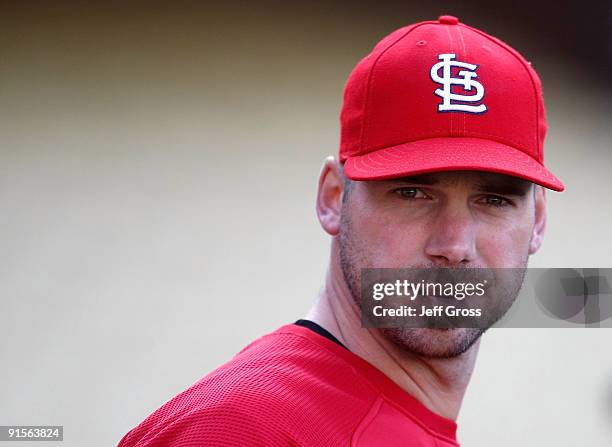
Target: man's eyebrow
{"points": [[505, 186], [495, 184]]}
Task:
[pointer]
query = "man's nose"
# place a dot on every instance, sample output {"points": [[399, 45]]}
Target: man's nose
{"points": [[452, 238]]}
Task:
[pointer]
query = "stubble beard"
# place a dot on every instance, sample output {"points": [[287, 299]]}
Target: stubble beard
{"points": [[425, 342]]}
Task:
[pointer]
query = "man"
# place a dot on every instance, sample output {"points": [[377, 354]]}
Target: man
{"points": [[441, 165]]}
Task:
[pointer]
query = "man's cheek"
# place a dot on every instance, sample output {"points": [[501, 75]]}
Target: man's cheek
{"points": [[392, 247], [504, 248]]}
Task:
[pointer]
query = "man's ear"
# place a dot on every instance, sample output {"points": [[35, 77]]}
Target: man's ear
{"points": [[540, 219], [329, 195]]}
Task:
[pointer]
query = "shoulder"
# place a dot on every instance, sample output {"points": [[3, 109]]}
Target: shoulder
{"points": [[270, 393], [218, 425]]}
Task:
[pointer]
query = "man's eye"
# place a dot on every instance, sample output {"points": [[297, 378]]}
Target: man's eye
{"points": [[496, 201], [410, 193]]}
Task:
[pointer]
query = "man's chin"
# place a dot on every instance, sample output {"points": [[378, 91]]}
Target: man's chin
{"points": [[433, 343]]}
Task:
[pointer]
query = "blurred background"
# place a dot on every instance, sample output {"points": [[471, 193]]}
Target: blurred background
{"points": [[158, 165]]}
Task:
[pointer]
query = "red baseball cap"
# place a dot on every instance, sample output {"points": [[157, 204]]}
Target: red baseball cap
{"points": [[442, 96]]}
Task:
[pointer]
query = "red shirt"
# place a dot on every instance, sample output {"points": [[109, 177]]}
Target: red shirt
{"points": [[293, 387]]}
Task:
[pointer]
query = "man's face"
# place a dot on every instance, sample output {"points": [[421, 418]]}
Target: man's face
{"points": [[448, 219]]}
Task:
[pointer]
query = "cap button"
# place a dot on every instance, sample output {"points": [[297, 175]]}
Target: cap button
{"points": [[448, 20]]}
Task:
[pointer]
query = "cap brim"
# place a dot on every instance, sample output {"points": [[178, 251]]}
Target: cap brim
{"points": [[449, 154]]}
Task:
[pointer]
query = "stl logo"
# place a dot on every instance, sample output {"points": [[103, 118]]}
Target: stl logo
{"points": [[451, 100]]}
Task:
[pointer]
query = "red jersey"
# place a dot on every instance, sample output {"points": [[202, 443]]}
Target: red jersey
{"points": [[293, 387]]}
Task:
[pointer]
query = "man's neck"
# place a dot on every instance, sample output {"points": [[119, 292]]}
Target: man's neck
{"points": [[439, 384]]}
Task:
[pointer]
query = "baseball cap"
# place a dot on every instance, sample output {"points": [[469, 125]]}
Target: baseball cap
{"points": [[443, 96]]}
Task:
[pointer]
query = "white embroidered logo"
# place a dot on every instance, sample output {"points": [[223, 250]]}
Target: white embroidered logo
{"points": [[452, 101]]}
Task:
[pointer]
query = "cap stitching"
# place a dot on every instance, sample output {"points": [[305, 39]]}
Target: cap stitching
{"points": [[364, 122], [465, 57], [381, 158], [518, 57], [450, 44], [381, 161], [473, 134]]}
